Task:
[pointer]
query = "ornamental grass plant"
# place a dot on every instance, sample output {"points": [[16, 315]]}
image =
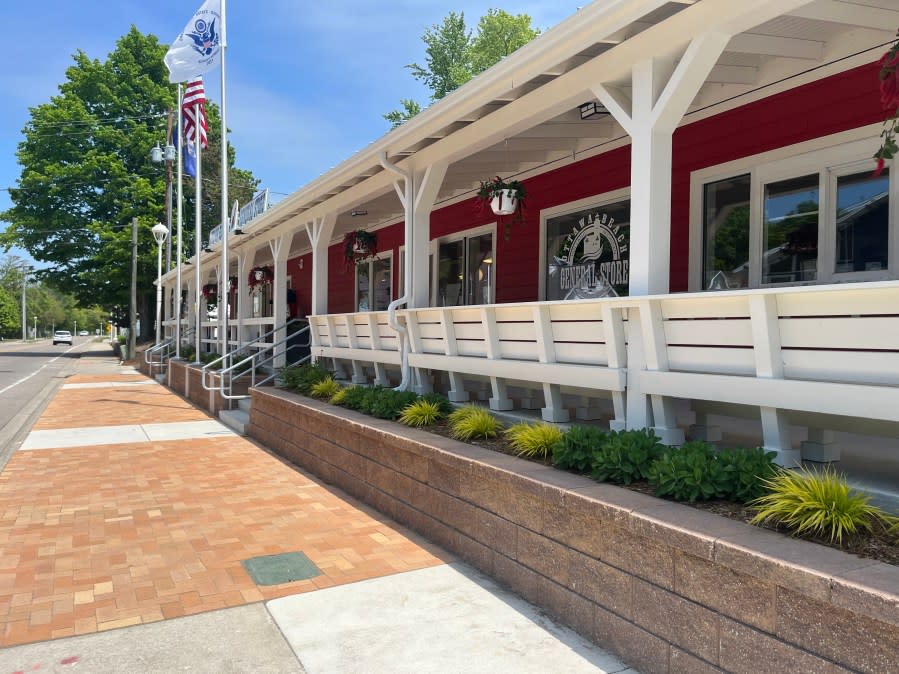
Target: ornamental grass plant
{"points": [[421, 413], [471, 421], [820, 503], [326, 388], [533, 440]]}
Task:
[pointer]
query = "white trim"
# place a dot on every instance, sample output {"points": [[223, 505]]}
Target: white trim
{"points": [[595, 201], [845, 152]]}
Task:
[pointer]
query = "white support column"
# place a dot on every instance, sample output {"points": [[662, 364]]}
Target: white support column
{"points": [[191, 312], [661, 95], [280, 249], [769, 365], [821, 446], [320, 232], [427, 186], [244, 306]]}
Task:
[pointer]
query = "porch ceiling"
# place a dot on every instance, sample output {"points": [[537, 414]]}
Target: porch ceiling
{"points": [[523, 113]]}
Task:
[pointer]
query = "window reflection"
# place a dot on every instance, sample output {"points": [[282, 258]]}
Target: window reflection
{"points": [[790, 234], [862, 232]]}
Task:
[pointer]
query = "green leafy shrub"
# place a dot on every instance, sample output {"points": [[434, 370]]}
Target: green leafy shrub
{"points": [[355, 398], [122, 339], [817, 502], [385, 403], [626, 456], [421, 413], [745, 472], [326, 388], [691, 472], [577, 447], [207, 358], [302, 378], [187, 351], [533, 440], [475, 422]]}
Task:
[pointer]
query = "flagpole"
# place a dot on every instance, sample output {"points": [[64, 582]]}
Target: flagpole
{"points": [[225, 223], [198, 227], [178, 280]]}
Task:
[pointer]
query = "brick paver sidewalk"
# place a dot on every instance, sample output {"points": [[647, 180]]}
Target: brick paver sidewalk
{"points": [[102, 536]]}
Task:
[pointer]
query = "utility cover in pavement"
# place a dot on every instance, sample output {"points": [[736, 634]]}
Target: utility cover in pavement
{"points": [[283, 568]]}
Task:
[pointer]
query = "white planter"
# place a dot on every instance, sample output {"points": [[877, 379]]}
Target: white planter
{"points": [[504, 203]]}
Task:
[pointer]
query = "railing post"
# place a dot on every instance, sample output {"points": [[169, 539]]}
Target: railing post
{"points": [[353, 339], [500, 400], [381, 378], [457, 392], [546, 351], [616, 358], [769, 365]]}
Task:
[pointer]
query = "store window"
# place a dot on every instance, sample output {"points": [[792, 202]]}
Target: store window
{"points": [[587, 252], [813, 217], [373, 284], [465, 270], [862, 217], [725, 212]]}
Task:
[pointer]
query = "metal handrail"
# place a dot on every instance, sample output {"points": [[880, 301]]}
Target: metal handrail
{"points": [[162, 351], [250, 363]]}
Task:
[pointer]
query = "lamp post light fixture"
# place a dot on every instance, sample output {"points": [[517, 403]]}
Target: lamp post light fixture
{"points": [[160, 233], [167, 155]]}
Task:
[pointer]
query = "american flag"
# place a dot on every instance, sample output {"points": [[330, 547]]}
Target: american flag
{"points": [[192, 95]]}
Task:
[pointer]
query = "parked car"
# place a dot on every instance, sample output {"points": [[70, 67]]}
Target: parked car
{"points": [[62, 337], [82, 333]]}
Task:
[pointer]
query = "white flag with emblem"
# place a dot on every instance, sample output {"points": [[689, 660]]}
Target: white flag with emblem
{"points": [[198, 49]]}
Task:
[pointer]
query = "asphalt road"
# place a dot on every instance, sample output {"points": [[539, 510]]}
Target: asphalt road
{"points": [[30, 373]]}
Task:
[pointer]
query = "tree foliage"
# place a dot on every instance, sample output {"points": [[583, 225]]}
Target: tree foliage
{"points": [[454, 54], [86, 173]]}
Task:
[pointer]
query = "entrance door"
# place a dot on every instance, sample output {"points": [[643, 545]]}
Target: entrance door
{"points": [[465, 271]]}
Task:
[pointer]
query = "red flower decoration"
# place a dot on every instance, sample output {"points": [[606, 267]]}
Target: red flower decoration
{"points": [[889, 101]]}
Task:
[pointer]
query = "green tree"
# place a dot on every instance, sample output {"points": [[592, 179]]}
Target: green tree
{"points": [[454, 55], [86, 173]]}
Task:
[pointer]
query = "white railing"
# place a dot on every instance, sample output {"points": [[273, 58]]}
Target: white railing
{"points": [[823, 354]]}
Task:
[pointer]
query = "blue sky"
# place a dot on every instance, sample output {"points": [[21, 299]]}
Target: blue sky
{"points": [[307, 82]]}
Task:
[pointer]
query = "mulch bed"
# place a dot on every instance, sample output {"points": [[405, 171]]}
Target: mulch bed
{"points": [[877, 544]]}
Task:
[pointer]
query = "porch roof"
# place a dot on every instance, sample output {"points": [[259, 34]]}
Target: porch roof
{"points": [[523, 114]]}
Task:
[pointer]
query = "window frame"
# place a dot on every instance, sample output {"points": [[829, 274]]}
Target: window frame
{"points": [[587, 203], [831, 157], [381, 256], [434, 255]]}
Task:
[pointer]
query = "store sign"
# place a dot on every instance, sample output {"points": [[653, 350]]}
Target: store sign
{"points": [[591, 259], [256, 207]]}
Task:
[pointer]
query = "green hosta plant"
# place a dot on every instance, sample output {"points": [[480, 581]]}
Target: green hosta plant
{"points": [[533, 440], [473, 422], [354, 397], [626, 456], [818, 502], [745, 472], [326, 388], [690, 472], [302, 378], [386, 403], [577, 448], [421, 413]]}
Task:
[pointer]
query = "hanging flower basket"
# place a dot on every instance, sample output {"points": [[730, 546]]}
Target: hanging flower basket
{"points": [[232, 284], [260, 276], [359, 245], [503, 198], [210, 292], [889, 101]]}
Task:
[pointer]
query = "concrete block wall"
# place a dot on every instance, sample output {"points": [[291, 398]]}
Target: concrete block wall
{"points": [[666, 587]]}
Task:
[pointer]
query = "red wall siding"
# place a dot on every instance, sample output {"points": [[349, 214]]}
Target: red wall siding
{"points": [[837, 103], [302, 284]]}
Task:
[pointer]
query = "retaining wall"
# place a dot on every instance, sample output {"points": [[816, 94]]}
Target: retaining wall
{"points": [[666, 587]]}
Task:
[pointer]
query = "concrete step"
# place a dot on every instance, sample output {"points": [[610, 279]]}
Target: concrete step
{"points": [[236, 420], [245, 404]]}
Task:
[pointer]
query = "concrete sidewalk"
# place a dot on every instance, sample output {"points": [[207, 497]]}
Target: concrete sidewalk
{"points": [[140, 535]]}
